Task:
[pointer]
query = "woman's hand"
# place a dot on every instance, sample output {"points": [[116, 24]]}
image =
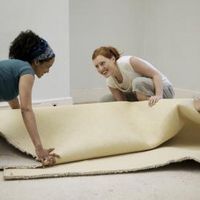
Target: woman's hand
{"points": [[154, 99], [196, 102], [46, 157]]}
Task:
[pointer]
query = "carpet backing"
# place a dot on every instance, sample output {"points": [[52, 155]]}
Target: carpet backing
{"points": [[104, 138]]}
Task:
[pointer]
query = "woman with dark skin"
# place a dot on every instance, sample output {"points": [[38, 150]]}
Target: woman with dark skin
{"points": [[29, 55]]}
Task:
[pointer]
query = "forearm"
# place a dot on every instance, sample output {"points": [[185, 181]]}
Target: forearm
{"points": [[157, 80], [30, 123], [117, 94], [121, 97]]}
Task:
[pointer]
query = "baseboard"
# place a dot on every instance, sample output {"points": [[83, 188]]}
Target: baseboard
{"points": [[185, 93], [53, 102], [95, 94], [46, 102]]}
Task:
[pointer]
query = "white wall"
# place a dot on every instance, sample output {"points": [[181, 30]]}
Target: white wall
{"points": [[49, 19], [172, 40], [94, 23], [165, 32]]}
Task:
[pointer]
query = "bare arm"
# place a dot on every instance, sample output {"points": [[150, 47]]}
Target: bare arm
{"points": [[117, 94], [146, 69], [25, 93]]}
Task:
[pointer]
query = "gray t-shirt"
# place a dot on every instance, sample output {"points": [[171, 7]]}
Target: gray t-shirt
{"points": [[10, 72]]}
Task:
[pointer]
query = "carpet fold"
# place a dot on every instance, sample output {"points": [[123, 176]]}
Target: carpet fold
{"points": [[102, 138]]}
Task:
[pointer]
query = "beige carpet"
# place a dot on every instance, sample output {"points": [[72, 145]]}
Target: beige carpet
{"points": [[108, 137]]}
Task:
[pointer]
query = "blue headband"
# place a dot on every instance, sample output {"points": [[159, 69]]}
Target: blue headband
{"points": [[42, 52]]}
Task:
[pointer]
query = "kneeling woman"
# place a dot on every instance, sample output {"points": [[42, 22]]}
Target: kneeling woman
{"points": [[29, 55], [130, 77]]}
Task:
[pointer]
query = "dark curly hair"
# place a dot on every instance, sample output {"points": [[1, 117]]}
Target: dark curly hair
{"points": [[23, 45]]}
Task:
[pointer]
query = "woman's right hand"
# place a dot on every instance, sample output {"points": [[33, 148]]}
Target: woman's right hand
{"points": [[154, 99], [46, 157]]}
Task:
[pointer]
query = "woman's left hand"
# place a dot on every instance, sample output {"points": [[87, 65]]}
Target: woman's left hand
{"points": [[46, 156], [154, 99]]}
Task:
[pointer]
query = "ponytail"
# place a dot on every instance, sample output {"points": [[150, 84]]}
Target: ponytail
{"points": [[107, 52]]}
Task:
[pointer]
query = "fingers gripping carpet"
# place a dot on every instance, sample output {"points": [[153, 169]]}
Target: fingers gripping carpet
{"points": [[102, 138]]}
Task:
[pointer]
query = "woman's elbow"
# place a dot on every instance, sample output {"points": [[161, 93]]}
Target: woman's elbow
{"points": [[25, 109], [157, 76]]}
